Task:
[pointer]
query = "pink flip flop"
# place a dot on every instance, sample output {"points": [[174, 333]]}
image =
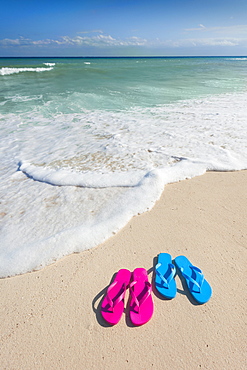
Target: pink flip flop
{"points": [[113, 303], [141, 303]]}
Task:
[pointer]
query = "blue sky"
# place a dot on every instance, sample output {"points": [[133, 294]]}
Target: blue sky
{"points": [[123, 27]]}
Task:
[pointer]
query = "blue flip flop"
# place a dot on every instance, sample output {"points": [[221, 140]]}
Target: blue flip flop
{"points": [[198, 287], [164, 278]]}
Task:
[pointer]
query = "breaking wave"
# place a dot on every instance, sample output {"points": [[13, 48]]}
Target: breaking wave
{"points": [[5, 71]]}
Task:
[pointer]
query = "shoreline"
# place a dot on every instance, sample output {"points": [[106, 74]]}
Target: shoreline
{"points": [[50, 318]]}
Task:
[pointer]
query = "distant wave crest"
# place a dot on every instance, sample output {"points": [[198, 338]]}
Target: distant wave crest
{"points": [[49, 64], [238, 58], [9, 71]]}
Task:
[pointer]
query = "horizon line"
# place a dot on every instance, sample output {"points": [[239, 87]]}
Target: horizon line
{"points": [[131, 56]]}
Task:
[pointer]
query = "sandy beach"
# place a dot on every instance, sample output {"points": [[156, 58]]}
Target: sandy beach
{"points": [[50, 319]]}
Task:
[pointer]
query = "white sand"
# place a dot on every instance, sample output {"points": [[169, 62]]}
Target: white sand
{"points": [[50, 319]]}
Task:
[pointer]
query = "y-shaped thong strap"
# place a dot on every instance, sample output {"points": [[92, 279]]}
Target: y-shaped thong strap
{"points": [[138, 302], [119, 298], [198, 272], [170, 276]]}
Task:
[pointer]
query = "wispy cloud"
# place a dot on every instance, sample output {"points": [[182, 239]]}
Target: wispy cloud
{"points": [[210, 42], [92, 31], [229, 30], [199, 42], [200, 28]]}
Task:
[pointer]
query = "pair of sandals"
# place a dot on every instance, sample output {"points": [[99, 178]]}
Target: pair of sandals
{"points": [[195, 281], [141, 302], [141, 305]]}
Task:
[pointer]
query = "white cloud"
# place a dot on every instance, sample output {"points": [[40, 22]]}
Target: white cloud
{"points": [[104, 40], [99, 40], [15, 42]]}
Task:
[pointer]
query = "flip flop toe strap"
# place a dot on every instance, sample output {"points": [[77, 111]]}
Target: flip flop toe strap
{"points": [[115, 302], [138, 302], [170, 276], [198, 273]]}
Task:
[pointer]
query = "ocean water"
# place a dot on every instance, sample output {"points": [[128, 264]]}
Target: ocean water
{"points": [[87, 143]]}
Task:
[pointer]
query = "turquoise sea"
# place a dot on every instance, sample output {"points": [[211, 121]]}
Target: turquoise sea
{"points": [[75, 84], [86, 143]]}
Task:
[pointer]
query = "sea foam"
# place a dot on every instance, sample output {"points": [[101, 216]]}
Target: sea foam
{"points": [[72, 176], [111, 218]]}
